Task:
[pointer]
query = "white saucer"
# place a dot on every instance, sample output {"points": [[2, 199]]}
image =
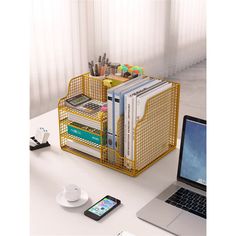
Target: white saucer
{"points": [[63, 202]]}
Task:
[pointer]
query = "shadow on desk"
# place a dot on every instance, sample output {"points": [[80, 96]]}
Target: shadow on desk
{"points": [[78, 209], [40, 152], [160, 174]]}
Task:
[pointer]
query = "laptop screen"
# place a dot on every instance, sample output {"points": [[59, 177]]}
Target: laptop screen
{"points": [[192, 165]]}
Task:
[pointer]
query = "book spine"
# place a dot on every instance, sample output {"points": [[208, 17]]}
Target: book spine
{"points": [[110, 140], [116, 118], [84, 135], [129, 124], [83, 148], [138, 108], [125, 127], [109, 120], [84, 121], [134, 121]]}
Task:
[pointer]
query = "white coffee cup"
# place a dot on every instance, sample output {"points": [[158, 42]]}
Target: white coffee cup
{"points": [[72, 192]]}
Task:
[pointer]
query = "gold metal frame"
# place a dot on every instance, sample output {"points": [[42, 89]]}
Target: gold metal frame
{"points": [[155, 135]]}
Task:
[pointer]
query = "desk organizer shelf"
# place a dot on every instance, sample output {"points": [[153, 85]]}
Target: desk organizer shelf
{"points": [[155, 135]]}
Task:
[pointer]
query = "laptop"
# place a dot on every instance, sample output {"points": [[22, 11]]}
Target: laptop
{"points": [[181, 208]]}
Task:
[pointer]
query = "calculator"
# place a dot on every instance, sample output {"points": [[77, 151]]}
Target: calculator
{"points": [[91, 106], [77, 100]]}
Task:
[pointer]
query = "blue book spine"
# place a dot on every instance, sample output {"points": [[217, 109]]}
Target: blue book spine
{"points": [[86, 135], [110, 139]]}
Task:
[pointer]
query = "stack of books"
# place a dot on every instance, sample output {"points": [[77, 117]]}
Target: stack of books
{"points": [[85, 132]]}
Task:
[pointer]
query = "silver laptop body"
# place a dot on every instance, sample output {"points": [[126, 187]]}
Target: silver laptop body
{"points": [[191, 176]]}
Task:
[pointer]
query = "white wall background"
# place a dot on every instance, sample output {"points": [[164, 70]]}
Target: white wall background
{"points": [[163, 36]]}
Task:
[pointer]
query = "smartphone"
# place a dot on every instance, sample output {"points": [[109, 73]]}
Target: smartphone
{"points": [[102, 207]]}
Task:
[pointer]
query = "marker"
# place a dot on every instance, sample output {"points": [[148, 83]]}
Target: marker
{"points": [[103, 69], [108, 70], [103, 59], [99, 64], [96, 70], [91, 69]]}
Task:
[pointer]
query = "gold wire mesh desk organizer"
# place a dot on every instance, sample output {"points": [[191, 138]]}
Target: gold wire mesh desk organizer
{"points": [[155, 135]]}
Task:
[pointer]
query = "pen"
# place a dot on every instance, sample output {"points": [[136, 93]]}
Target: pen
{"points": [[99, 64], [103, 59], [108, 69], [103, 68], [91, 69], [96, 70]]}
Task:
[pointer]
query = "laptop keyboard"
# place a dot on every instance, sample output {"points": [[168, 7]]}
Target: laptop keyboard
{"points": [[189, 201]]}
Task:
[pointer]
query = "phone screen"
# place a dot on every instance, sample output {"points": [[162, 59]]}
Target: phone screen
{"points": [[102, 207]]}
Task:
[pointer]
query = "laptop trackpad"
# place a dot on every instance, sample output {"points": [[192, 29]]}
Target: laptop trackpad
{"points": [[158, 213], [188, 224]]}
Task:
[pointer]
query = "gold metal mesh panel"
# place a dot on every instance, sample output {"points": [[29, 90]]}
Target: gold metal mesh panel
{"points": [[119, 162], [81, 154], [77, 86], [175, 93], [94, 88], [155, 134], [120, 135]]}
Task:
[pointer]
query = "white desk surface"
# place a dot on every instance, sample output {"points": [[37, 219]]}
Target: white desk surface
{"points": [[51, 169]]}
